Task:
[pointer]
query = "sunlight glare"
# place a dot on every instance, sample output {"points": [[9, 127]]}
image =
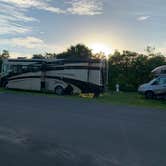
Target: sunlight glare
{"points": [[97, 48]]}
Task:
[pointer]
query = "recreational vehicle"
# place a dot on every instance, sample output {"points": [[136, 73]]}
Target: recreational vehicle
{"points": [[58, 76], [156, 87]]}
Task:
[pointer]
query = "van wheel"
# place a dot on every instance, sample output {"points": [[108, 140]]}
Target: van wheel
{"points": [[59, 91], [149, 95]]}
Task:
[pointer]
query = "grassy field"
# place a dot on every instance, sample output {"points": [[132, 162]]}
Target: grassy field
{"points": [[132, 99], [129, 99]]}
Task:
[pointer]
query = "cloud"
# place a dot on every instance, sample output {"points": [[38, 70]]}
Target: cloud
{"points": [[13, 14], [14, 21], [162, 48], [11, 20], [85, 7], [143, 18], [14, 18], [19, 54], [80, 7], [38, 4], [29, 42], [7, 27]]}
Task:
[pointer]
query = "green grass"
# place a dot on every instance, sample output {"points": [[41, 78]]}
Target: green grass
{"points": [[131, 99], [36, 93], [128, 99]]}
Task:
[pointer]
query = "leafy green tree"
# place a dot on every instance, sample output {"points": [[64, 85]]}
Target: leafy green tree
{"points": [[79, 51], [131, 69], [50, 55], [156, 61], [3, 55], [150, 51], [100, 55], [38, 56], [63, 55]]}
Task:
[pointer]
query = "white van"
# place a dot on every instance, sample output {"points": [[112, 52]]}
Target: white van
{"points": [[156, 87]]}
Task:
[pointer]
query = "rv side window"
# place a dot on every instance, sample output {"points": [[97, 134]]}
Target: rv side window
{"points": [[24, 69], [16, 69], [34, 68]]}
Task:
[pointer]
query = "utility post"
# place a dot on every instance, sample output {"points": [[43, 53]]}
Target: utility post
{"points": [[107, 74], [43, 77]]}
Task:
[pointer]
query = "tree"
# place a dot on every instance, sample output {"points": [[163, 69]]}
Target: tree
{"points": [[150, 50], [50, 55], [156, 61], [100, 55], [79, 51], [4, 55], [63, 55], [130, 69], [38, 56]]}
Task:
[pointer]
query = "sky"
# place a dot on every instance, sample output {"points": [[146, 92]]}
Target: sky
{"points": [[37, 26]]}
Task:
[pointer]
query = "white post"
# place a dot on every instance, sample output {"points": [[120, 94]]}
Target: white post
{"points": [[107, 81], [117, 88]]}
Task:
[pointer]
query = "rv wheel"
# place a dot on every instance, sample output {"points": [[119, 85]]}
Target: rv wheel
{"points": [[59, 90], [96, 94]]}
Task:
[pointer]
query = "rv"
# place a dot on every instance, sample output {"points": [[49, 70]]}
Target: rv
{"points": [[157, 86], [58, 76]]}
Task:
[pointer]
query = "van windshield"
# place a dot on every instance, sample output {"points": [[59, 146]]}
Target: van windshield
{"points": [[152, 81]]}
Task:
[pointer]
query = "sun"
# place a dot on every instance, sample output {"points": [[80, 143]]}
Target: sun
{"points": [[99, 47]]}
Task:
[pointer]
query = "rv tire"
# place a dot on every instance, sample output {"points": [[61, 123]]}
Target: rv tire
{"points": [[69, 90]]}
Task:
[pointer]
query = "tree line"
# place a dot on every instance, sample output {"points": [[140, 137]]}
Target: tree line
{"points": [[128, 69], [79, 51]]}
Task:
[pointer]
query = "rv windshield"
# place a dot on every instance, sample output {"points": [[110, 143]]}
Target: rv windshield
{"points": [[5, 68]]}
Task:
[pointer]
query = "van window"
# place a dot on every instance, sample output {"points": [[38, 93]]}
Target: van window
{"points": [[155, 81], [163, 71], [162, 81]]}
